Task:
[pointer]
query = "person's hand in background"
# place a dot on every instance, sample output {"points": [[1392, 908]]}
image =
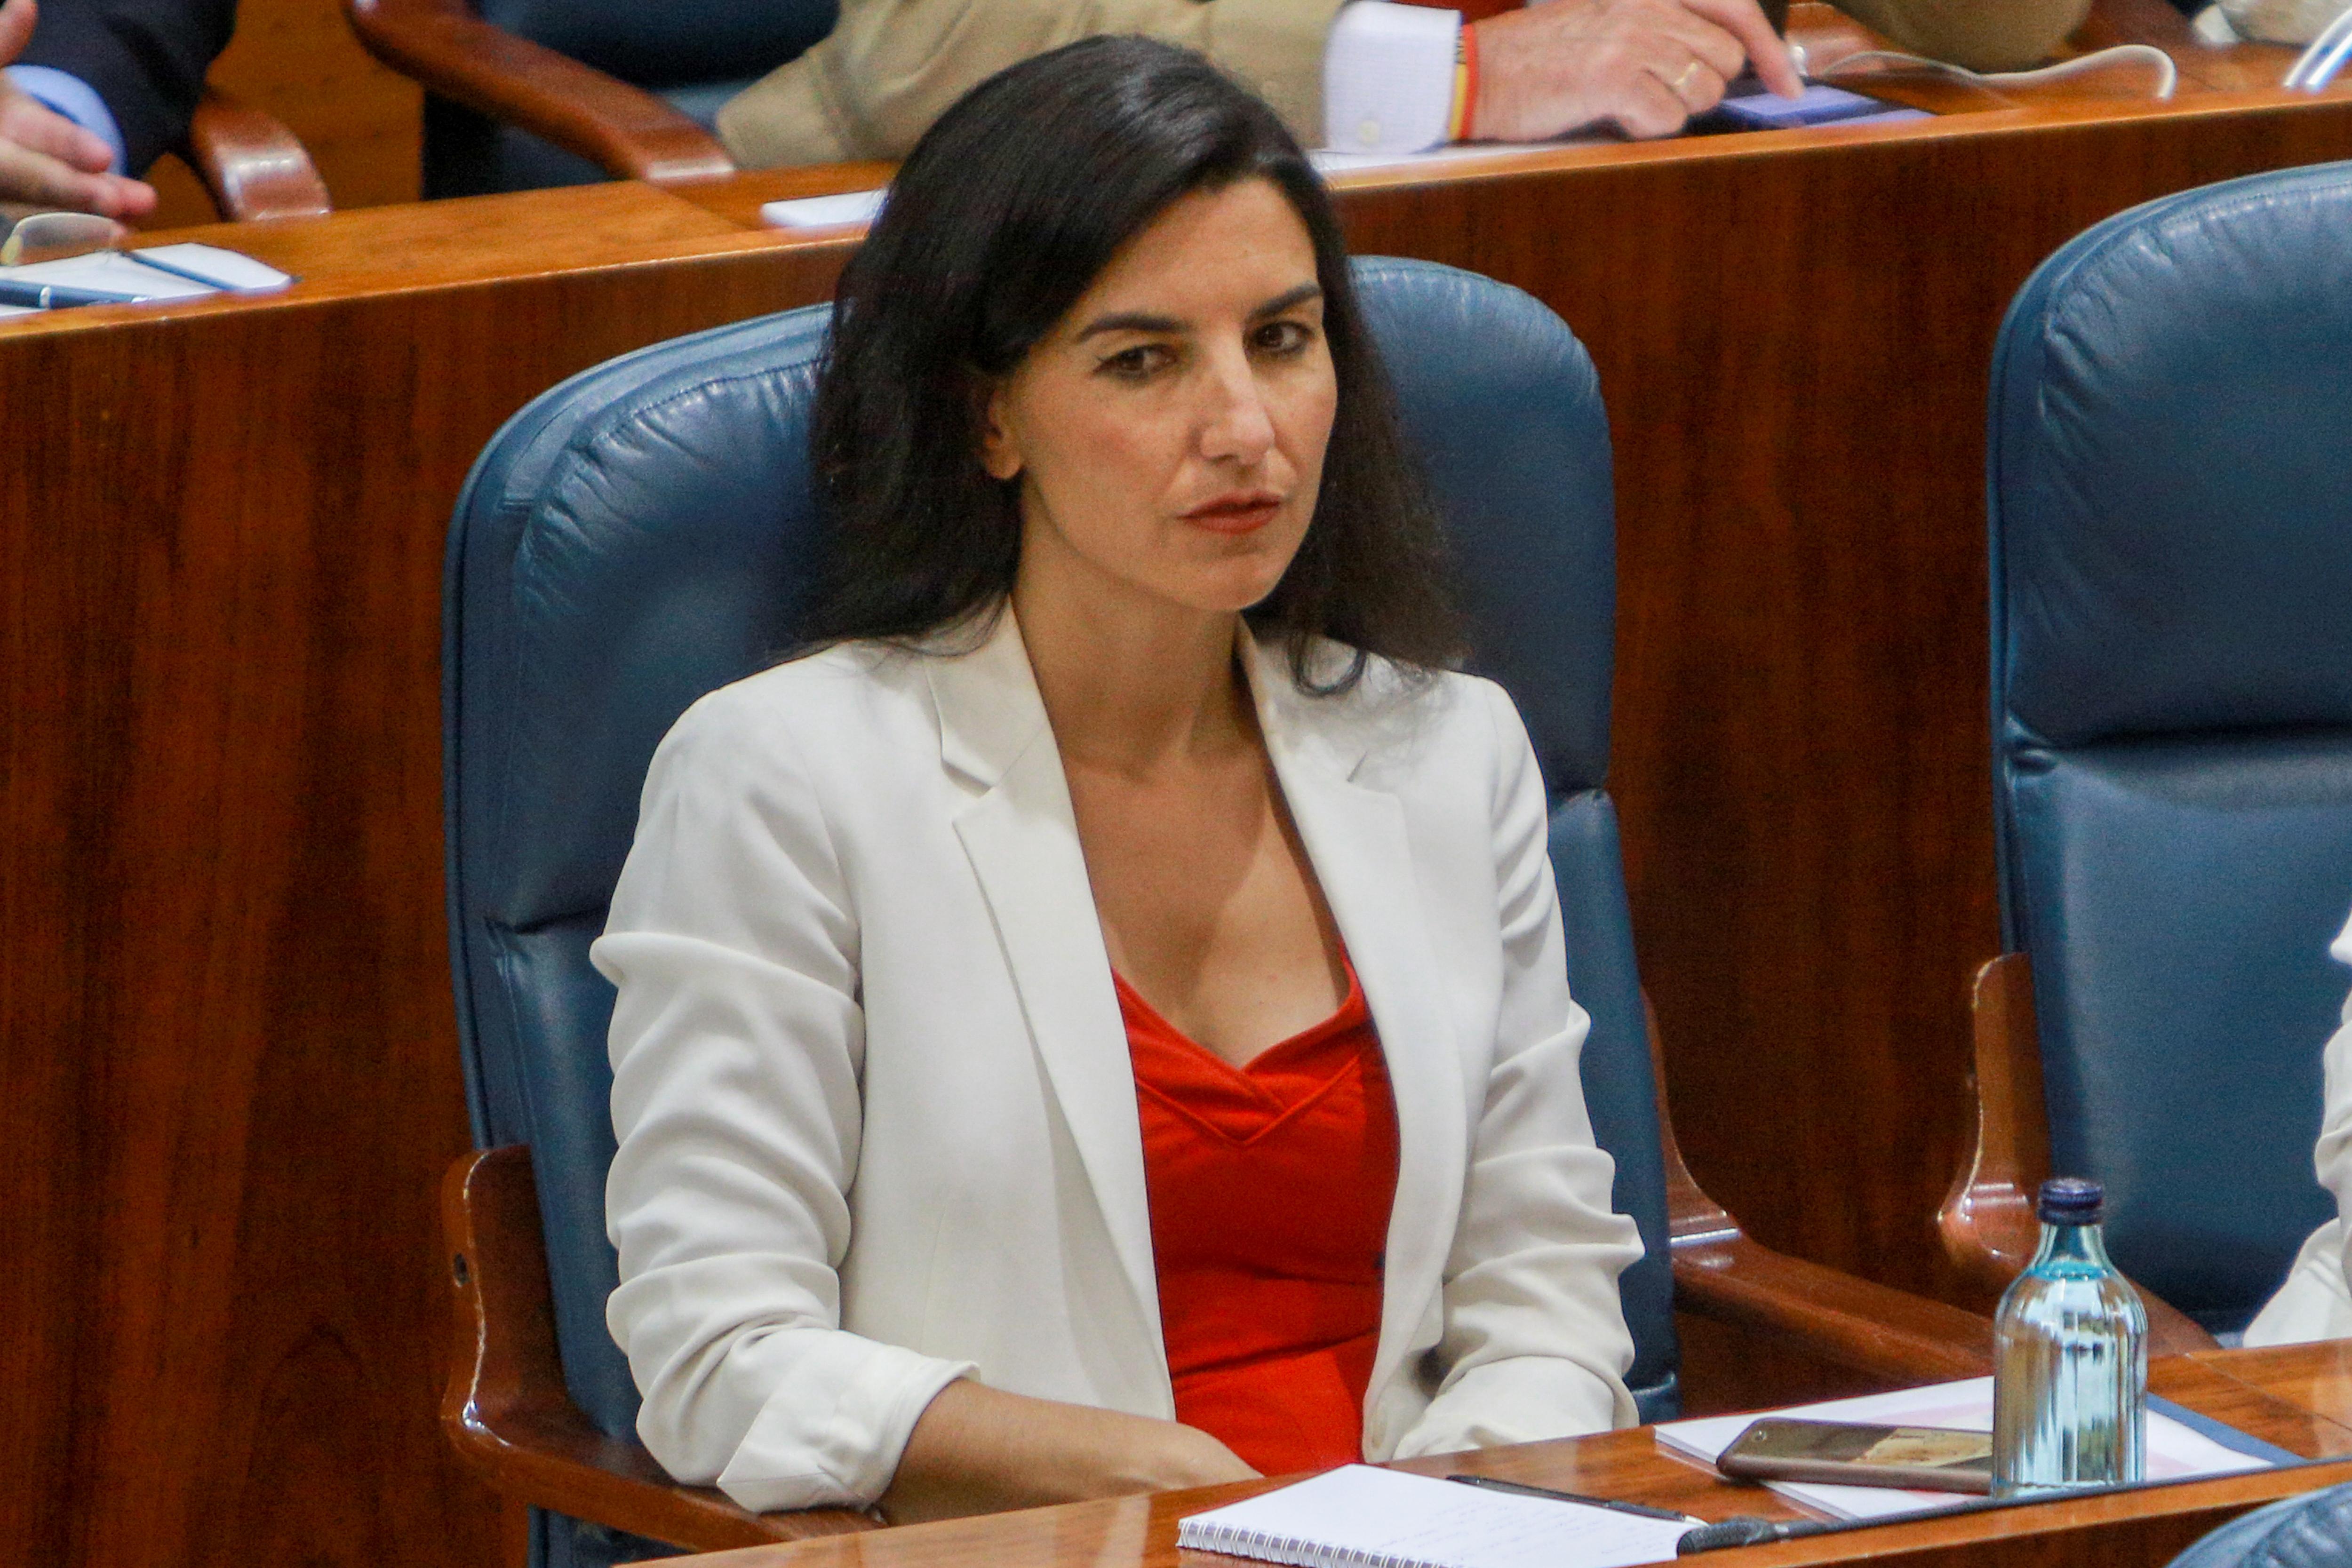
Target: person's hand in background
{"points": [[47, 161], [1643, 65]]}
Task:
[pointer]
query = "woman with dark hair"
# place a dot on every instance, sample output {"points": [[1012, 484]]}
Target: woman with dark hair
{"points": [[1098, 1021]]}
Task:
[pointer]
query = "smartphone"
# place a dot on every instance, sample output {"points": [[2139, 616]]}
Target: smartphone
{"points": [[1925, 1458], [1748, 105]]}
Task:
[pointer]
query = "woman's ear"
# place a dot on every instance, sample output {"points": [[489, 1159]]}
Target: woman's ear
{"points": [[999, 453]]}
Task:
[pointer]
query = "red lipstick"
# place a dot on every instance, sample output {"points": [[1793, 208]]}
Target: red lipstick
{"points": [[1236, 512]]}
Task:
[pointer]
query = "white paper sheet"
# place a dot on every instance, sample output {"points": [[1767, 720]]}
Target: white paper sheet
{"points": [[848, 210], [121, 272], [1412, 1521], [1330, 161], [112, 272], [229, 269]]}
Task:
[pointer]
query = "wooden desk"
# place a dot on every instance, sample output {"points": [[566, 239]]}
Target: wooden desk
{"points": [[2266, 1393], [225, 1027]]}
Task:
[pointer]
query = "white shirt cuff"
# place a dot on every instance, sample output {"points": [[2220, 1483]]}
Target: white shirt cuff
{"points": [[78, 102], [1388, 77]]}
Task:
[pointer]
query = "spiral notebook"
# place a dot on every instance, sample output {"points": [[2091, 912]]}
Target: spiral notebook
{"points": [[1358, 1517]]}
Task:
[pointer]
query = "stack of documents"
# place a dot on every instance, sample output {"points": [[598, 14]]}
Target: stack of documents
{"points": [[158, 272], [2180, 1444]]}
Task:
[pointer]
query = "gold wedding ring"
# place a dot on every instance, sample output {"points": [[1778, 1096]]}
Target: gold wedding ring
{"points": [[1682, 79]]}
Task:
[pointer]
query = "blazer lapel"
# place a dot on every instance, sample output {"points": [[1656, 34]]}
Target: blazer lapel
{"points": [[1356, 839], [1022, 838]]}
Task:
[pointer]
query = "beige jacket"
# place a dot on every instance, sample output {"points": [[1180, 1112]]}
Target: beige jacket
{"points": [[892, 66], [877, 1121]]}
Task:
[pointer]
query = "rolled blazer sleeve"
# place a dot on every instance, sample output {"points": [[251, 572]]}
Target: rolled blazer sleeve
{"points": [[1535, 1343], [892, 66], [2333, 1157], [2315, 1302], [737, 1042]]}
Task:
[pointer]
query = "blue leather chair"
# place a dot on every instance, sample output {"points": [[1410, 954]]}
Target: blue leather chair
{"points": [[523, 94], [639, 536], [2313, 1531], [2171, 593]]}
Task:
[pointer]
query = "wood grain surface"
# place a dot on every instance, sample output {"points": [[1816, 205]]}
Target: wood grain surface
{"points": [[224, 1036], [2317, 1377], [2130, 1529], [225, 1043]]}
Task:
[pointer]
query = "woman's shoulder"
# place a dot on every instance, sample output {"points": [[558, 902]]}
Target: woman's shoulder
{"points": [[812, 704]]}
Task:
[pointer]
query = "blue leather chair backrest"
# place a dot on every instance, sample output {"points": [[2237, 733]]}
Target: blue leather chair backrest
{"points": [[640, 534], [2172, 557], [2313, 1531]]}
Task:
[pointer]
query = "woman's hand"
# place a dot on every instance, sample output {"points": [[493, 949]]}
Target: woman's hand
{"points": [[978, 1450]]}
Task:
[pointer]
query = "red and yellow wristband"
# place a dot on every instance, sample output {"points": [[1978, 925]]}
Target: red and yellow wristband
{"points": [[1465, 82]]}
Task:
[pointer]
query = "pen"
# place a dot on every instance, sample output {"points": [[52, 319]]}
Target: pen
{"points": [[55, 296], [176, 270], [1524, 1490]]}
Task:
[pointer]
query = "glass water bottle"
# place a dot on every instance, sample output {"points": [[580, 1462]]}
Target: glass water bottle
{"points": [[2070, 1358]]}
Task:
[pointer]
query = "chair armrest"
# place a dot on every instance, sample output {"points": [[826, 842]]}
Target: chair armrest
{"points": [[625, 130], [1988, 1220], [1887, 1333], [1826, 34], [505, 1408], [251, 165], [1722, 1275]]}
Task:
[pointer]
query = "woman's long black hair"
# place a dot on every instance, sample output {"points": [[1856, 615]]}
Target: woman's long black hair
{"points": [[1005, 212]]}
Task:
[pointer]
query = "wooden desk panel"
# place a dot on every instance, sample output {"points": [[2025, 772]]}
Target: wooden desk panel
{"points": [[223, 1005], [224, 1021], [2315, 1377], [2134, 1529], [2139, 1531], [472, 242]]}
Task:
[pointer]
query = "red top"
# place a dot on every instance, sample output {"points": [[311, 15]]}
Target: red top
{"points": [[1270, 1188]]}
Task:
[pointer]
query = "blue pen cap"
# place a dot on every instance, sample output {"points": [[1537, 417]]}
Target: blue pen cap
{"points": [[2072, 1200]]}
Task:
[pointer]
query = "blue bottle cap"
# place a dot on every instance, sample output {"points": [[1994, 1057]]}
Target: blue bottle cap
{"points": [[2072, 1200]]}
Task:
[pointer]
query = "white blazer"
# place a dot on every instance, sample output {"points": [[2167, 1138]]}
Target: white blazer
{"points": [[877, 1127], [2315, 1303]]}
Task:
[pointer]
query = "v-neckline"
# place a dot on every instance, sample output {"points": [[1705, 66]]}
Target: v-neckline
{"points": [[1352, 1011]]}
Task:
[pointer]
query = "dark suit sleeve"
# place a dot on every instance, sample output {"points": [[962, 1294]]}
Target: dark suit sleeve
{"points": [[146, 58]]}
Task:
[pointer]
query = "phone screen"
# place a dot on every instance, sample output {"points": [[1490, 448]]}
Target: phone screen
{"points": [[1748, 106], [1838, 1443]]}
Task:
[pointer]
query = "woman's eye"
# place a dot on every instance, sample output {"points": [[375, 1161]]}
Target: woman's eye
{"points": [[1282, 336], [1137, 363]]}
